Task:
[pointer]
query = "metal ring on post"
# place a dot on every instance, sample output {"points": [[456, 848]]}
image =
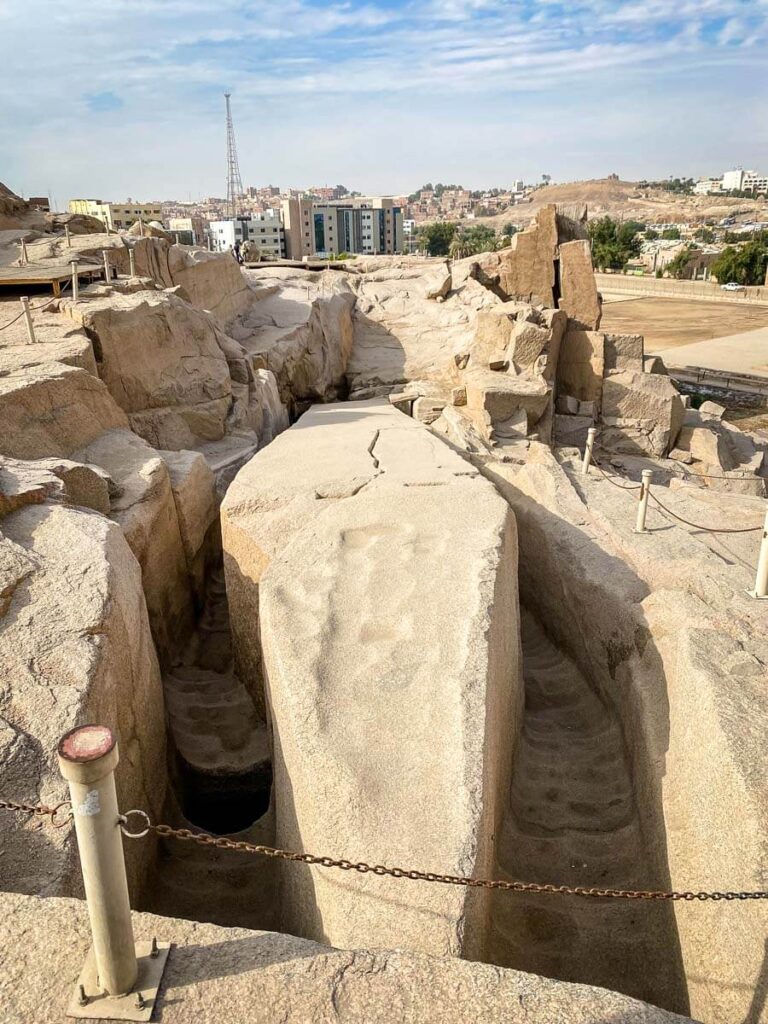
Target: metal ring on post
{"points": [[123, 821], [55, 810]]}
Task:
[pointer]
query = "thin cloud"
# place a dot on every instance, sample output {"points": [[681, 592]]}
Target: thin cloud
{"points": [[394, 72]]}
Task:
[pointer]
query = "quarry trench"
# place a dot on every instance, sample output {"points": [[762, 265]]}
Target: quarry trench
{"points": [[571, 815]]}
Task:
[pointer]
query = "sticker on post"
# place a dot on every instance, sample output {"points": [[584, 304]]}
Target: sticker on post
{"points": [[90, 806]]}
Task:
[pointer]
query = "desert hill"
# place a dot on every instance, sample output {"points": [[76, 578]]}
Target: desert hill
{"points": [[626, 199]]}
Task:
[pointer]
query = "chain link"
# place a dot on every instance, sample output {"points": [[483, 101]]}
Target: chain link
{"points": [[612, 479], [42, 810], [221, 843], [538, 888], [698, 526], [652, 496]]}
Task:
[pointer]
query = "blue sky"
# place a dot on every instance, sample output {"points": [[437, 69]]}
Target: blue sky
{"points": [[110, 98]]}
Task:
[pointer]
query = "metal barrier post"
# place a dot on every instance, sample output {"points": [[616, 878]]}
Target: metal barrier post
{"points": [[87, 759], [75, 281], [132, 262], [113, 983], [588, 451], [66, 235], [24, 258], [761, 579], [28, 318], [642, 508], [107, 273], [210, 244]]}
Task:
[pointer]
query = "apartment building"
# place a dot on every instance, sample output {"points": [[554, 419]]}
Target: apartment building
{"points": [[359, 224], [191, 230], [264, 230], [117, 216], [737, 180], [707, 186]]}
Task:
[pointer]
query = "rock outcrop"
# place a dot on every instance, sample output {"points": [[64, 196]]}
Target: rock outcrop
{"points": [[75, 646], [301, 331], [163, 365], [338, 537], [248, 977]]}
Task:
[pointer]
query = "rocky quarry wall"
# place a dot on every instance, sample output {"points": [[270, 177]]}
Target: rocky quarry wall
{"points": [[410, 634]]}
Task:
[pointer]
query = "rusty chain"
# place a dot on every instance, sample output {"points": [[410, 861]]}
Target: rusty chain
{"points": [[612, 479], [42, 810], [652, 496], [219, 842], [698, 526], [537, 888]]}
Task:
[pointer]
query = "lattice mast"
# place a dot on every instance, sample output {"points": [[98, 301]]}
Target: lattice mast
{"points": [[234, 181]]}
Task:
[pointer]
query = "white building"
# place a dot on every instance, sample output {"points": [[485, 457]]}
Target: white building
{"points": [[744, 181], [707, 186], [263, 230]]}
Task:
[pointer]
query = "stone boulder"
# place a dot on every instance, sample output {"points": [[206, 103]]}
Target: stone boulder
{"points": [[497, 397], [525, 339], [78, 223], [438, 284], [578, 290], [247, 977], [400, 335], [339, 536], [525, 270], [625, 352], [706, 445], [53, 410], [642, 413], [212, 281], [580, 365], [162, 362], [84, 485], [75, 646], [147, 512], [148, 229], [304, 341]]}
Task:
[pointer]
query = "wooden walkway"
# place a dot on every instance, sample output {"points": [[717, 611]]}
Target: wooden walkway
{"points": [[37, 274]]}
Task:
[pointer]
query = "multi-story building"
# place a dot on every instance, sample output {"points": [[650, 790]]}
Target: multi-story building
{"points": [[328, 193], [707, 186], [736, 180], [264, 230], [191, 230], [117, 216], [359, 224]]}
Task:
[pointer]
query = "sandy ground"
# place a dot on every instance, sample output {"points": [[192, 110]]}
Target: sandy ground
{"points": [[746, 352], [667, 323]]}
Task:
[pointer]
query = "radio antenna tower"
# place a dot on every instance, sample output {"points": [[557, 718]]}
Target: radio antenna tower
{"points": [[234, 182]]}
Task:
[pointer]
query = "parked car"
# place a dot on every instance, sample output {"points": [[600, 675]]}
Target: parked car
{"points": [[732, 286]]}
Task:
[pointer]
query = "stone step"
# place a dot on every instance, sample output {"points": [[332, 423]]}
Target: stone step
{"points": [[213, 721]]}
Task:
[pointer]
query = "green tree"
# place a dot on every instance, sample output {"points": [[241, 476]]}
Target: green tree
{"points": [[436, 238], [471, 241], [679, 265], [613, 244], [706, 235], [509, 229], [651, 235], [746, 265], [671, 234]]}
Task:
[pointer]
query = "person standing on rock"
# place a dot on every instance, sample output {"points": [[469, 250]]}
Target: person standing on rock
{"points": [[236, 253]]}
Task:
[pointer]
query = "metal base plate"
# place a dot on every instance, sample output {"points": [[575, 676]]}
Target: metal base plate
{"points": [[757, 597], [104, 1007]]}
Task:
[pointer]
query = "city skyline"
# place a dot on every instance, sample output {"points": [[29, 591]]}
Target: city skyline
{"points": [[377, 94]]}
